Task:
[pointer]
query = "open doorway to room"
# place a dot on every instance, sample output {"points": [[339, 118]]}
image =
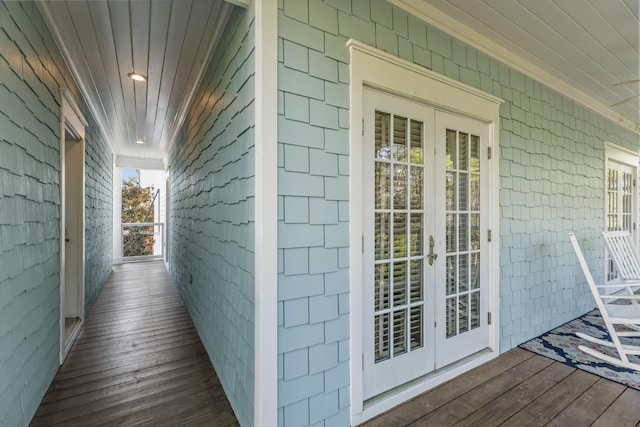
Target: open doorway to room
{"points": [[72, 224]]}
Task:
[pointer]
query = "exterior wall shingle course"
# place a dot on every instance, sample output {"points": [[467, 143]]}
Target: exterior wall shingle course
{"points": [[31, 72], [212, 212]]}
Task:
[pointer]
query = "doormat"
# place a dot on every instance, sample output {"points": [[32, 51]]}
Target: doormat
{"points": [[561, 344]]}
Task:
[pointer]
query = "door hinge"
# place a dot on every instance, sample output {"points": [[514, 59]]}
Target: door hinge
{"points": [[489, 318], [489, 153], [488, 235]]}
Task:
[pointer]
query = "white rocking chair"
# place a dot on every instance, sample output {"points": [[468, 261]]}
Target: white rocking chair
{"points": [[613, 313], [625, 257]]}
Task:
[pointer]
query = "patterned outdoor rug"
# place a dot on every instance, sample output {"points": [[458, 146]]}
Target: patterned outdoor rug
{"points": [[561, 344]]}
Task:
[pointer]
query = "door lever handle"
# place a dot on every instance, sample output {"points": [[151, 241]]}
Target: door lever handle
{"points": [[432, 256]]}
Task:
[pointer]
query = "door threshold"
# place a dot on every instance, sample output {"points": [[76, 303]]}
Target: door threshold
{"points": [[398, 395], [72, 326]]}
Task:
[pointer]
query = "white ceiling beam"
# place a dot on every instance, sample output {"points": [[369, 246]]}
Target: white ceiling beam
{"points": [[139, 163]]}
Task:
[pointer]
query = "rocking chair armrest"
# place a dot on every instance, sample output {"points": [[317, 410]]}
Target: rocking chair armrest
{"points": [[619, 285], [629, 297]]}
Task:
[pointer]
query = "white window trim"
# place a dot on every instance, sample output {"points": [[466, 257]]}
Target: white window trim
{"points": [[375, 68]]}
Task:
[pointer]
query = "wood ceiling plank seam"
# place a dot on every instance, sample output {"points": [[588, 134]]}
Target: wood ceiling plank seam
{"points": [[522, 44], [93, 103], [101, 25], [590, 22], [454, 21], [603, 78], [177, 28], [139, 23], [158, 34], [516, 13], [105, 52], [190, 54], [634, 7], [119, 16], [614, 15], [537, 42], [73, 36]]}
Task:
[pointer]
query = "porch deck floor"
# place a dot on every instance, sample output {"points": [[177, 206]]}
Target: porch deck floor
{"points": [[138, 360], [520, 388]]}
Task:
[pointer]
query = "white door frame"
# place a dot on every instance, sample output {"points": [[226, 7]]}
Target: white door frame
{"points": [[374, 68], [72, 121]]}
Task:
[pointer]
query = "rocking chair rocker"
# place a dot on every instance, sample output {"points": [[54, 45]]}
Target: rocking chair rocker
{"points": [[616, 310]]}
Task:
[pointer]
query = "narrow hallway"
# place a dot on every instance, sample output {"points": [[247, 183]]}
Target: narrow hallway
{"points": [[138, 360]]}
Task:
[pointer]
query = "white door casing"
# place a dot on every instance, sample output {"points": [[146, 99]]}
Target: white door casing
{"points": [[72, 169], [373, 68]]}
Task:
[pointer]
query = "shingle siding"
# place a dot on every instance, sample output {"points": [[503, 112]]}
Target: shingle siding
{"points": [[551, 182], [98, 213], [212, 172], [31, 72]]}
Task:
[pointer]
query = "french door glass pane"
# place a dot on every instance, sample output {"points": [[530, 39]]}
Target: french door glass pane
{"points": [[398, 235], [382, 148], [381, 337], [383, 186], [417, 321], [399, 332], [400, 181], [399, 283], [382, 235], [416, 284], [381, 291], [399, 139]]}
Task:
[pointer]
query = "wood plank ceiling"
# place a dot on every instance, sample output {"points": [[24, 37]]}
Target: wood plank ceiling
{"points": [[582, 48], [170, 42]]}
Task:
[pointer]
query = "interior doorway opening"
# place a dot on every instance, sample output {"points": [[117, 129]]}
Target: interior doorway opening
{"points": [[72, 247]]}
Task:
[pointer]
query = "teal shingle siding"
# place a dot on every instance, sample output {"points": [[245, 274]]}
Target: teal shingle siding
{"points": [[212, 216], [98, 213], [31, 71], [551, 182]]}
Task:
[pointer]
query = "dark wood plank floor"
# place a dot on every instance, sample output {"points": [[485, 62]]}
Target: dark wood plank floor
{"points": [[137, 361], [517, 389]]}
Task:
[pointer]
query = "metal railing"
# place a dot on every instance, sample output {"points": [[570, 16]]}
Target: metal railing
{"points": [[142, 241]]}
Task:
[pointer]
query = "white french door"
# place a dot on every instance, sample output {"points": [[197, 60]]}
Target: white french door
{"points": [[621, 204], [425, 300]]}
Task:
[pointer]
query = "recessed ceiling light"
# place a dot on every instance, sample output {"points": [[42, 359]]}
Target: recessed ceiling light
{"points": [[139, 141], [137, 77]]}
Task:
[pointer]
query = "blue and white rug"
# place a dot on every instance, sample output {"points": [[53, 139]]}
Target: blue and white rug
{"points": [[561, 344]]}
